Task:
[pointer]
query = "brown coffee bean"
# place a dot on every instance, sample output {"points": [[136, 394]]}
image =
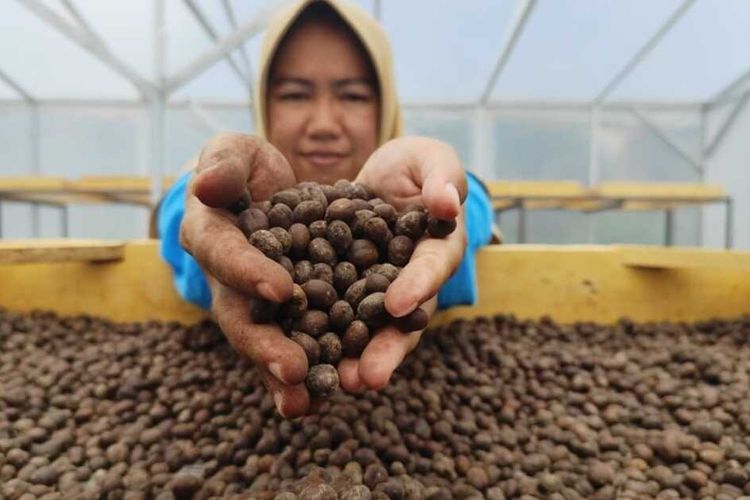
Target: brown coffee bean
{"points": [[330, 348], [267, 243], [385, 212], [314, 193], [340, 315], [400, 250], [313, 322], [263, 311], [289, 197], [376, 229], [287, 264], [361, 204], [412, 224], [264, 206], [438, 228], [308, 212], [418, 319], [376, 282], [332, 194], [362, 253], [320, 295], [280, 215], [309, 345], [361, 191], [323, 272], [355, 339], [340, 236], [360, 217], [322, 380], [302, 271], [344, 274], [318, 229], [252, 220], [355, 293], [297, 305], [341, 209], [372, 310], [345, 188], [284, 238], [320, 250], [300, 239]]}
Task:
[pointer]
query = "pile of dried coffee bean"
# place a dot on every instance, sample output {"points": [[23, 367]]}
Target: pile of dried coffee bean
{"points": [[490, 408], [343, 248]]}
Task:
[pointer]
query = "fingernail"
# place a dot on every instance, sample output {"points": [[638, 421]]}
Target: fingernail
{"points": [[407, 310], [278, 399], [275, 369], [267, 291], [453, 193]]}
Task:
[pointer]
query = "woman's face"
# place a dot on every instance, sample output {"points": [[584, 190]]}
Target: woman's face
{"points": [[322, 103]]}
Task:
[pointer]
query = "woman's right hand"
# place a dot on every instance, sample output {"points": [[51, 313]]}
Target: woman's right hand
{"points": [[230, 165]]}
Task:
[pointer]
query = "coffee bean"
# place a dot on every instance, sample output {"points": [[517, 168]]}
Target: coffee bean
{"points": [[330, 348], [251, 220], [313, 322], [320, 294], [355, 339], [267, 243], [322, 380], [321, 250], [309, 211], [242, 203], [355, 293], [438, 228], [322, 272], [283, 237], [400, 249], [297, 305], [280, 215], [376, 283], [372, 310], [318, 229], [303, 270], [309, 345], [342, 209], [376, 229], [340, 315], [362, 253], [411, 224], [300, 239], [386, 212], [340, 236], [344, 274], [289, 197]]}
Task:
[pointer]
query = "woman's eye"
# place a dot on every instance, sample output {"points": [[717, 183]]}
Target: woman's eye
{"points": [[293, 96], [356, 97]]}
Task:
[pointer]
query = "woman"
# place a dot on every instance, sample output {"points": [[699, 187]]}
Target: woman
{"points": [[325, 110]]}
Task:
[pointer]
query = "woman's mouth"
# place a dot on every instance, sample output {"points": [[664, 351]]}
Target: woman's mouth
{"points": [[323, 158]]}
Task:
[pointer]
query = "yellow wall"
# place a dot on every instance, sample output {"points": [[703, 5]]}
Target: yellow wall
{"points": [[598, 283]]}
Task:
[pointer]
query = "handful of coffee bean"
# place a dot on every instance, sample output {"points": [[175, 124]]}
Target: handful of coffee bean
{"points": [[343, 248]]}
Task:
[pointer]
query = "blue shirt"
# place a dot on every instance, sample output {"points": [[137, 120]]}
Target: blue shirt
{"points": [[460, 289]]}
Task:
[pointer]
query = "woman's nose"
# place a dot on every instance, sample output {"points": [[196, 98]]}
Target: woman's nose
{"points": [[324, 122]]}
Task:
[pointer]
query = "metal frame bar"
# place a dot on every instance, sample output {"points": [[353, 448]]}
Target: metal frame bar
{"points": [[92, 44], [212, 55], [17, 87], [213, 124], [76, 14], [652, 42], [713, 146], [377, 10], [727, 91], [158, 102], [512, 34], [658, 132], [211, 32], [232, 18]]}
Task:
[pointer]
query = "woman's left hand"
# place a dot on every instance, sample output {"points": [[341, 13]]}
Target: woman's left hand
{"points": [[404, 171]]}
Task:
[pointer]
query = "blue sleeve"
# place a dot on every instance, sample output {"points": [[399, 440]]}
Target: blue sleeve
{"points": [[188, 277], [461, 288]]}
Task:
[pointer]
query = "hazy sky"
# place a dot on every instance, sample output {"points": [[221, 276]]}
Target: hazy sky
{"points": [[445, 49]]}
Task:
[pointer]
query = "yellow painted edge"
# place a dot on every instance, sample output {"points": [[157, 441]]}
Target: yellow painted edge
{"points": [[658, 190], [59, 250]]}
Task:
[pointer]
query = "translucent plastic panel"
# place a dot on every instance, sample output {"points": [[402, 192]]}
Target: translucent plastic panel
{"points": [[186, 40], [217, 83], [187, 132], [453, 128], [539, 144], [90, 141], [126, 27], [15, 139], [48, 64], [571, 49], [629, 150], [7, 92], [445, 50], [702, 54]]}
